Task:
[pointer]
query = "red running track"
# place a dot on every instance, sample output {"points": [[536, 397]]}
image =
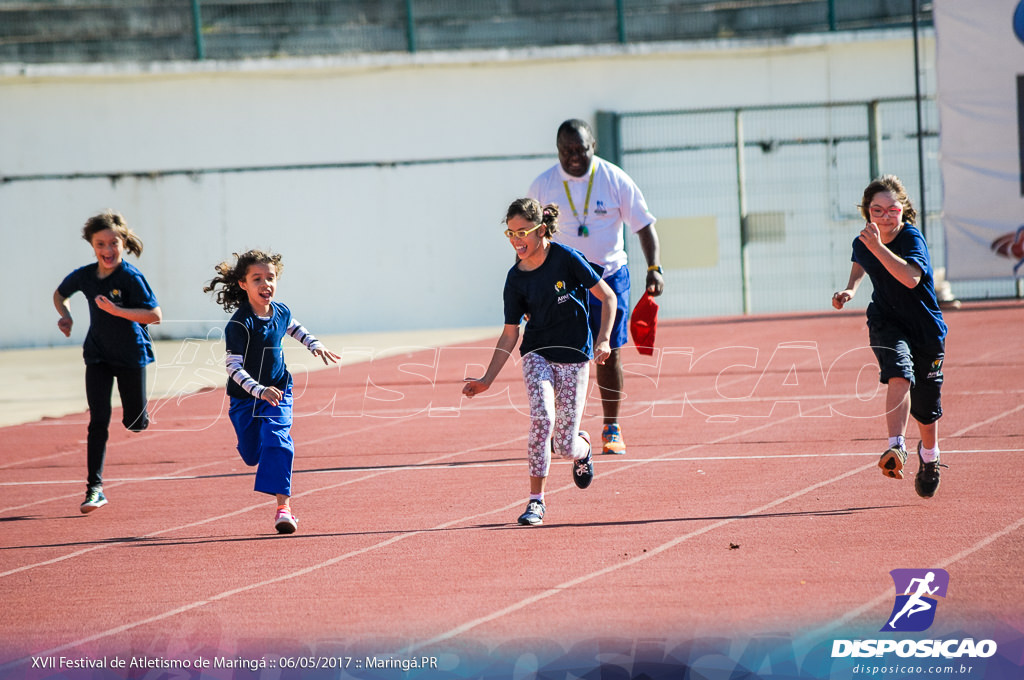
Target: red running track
{"points": [[749, 503]]}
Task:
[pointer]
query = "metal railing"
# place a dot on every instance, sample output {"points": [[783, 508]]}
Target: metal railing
{"points": [[757, 206], [41, 31]]}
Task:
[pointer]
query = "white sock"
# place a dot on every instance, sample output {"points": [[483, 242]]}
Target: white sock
{"points": [[898, 440], [537, 497], [930, 455]]}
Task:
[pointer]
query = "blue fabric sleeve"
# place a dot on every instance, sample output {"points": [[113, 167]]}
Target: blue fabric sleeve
{"points": [[515, 305], [70, 285], [142, 295], [583, 270]]}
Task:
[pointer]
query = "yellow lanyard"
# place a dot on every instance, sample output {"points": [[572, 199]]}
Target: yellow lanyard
{"points": [[586, 203]]}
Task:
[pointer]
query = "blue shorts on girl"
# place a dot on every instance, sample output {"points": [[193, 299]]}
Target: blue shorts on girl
{"points": [[255, 361]]}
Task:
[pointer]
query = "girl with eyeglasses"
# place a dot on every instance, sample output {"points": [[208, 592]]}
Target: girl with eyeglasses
{"points": [[549, 287], [905, 325]]}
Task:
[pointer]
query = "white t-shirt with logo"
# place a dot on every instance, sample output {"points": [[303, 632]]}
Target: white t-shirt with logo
{"points": [[615, 199]]}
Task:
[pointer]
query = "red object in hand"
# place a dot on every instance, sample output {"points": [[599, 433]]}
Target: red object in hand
{"points": [[643, 324]]}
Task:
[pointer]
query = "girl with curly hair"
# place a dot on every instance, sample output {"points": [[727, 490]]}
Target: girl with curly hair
{"points": [[259, 384]]}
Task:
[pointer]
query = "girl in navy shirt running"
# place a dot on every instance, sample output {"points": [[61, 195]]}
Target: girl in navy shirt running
{"points": [[117, 346], [548, 285], [905, 325], [259, 384]]}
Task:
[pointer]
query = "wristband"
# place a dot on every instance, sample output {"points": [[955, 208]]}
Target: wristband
{"points": [[655, 268]]}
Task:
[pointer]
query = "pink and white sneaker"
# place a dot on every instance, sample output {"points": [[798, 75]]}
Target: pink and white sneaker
{"points": [[285, 522]]}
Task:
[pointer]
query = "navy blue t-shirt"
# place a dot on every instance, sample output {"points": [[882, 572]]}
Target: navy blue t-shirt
{"points": [[258, 342], [112, 339], [914, 310], [555, 296]]}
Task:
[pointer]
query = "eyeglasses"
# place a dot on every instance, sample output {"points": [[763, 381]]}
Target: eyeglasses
{"points": [[879, 211], [522, 232]]}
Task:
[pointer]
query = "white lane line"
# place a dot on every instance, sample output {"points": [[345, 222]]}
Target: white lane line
{"points": [[472, 624], [887, 596], [561, 588], [430, 467], [469, 625], [813, 636], [111, 483], [233, 513]]}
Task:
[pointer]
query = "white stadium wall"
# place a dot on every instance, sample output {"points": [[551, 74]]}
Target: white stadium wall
{"points": [[374, 235]]}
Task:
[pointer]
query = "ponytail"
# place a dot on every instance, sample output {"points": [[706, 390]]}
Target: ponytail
{"points": [[116, 223]]}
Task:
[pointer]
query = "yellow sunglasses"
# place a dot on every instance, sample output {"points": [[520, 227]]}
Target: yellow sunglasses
{"points": [[522, 232]]}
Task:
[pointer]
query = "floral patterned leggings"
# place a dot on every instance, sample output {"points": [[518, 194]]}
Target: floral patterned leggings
{"points": [[557, 394]]}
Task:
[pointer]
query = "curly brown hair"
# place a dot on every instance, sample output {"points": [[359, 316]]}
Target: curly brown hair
{"points": [[230, 295]]}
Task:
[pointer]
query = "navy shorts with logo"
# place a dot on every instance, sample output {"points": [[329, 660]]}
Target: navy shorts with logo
{"points": [[619, 282], [899, 358]]}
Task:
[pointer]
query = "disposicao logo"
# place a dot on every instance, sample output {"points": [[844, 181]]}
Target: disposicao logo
{"points": [[914, 611]]}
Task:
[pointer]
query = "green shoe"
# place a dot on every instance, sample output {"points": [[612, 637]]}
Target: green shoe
{"points": [[94, 498]]}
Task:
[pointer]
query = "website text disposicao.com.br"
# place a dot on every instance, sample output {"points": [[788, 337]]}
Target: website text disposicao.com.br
{"points": [[910, 656], [902, 670]]}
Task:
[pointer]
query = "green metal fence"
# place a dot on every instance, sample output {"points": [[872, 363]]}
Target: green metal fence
{"points": [[757, 206], [37, 31]]}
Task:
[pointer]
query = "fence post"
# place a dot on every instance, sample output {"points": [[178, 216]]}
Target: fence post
{"points": [[410, 27], [741, 200], [197, 30], [832, 26], [874, 141], [609, 143], [920, 129], [620, 20]]}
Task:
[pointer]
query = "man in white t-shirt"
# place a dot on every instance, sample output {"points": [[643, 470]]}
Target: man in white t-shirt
{"points": [[595, 198]]}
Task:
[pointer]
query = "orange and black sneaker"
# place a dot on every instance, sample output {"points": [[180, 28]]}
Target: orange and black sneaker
{"points": [[611, 440], [892, 461]]}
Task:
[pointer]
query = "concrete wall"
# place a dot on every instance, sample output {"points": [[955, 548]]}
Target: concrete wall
{"points": [[397, 225]]}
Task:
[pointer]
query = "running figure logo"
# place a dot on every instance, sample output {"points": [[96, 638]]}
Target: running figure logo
{"points": [[914, 610]]}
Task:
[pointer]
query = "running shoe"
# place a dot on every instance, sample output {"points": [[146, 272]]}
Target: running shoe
{"points": [[926, 482], [611, 440], [285, 522], [892, 461], [94, 498], [534, 515], [583, 468]]}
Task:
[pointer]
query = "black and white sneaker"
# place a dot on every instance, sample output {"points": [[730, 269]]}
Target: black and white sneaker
{"points": [[583, 468], [534, 515], [926, 482]]}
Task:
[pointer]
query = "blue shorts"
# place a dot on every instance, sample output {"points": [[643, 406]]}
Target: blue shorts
{"points": [[898, 357], [619, 282], [265, 440]]}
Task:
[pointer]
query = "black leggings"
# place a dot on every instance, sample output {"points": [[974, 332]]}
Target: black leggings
{"points": [[99, 384]]}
